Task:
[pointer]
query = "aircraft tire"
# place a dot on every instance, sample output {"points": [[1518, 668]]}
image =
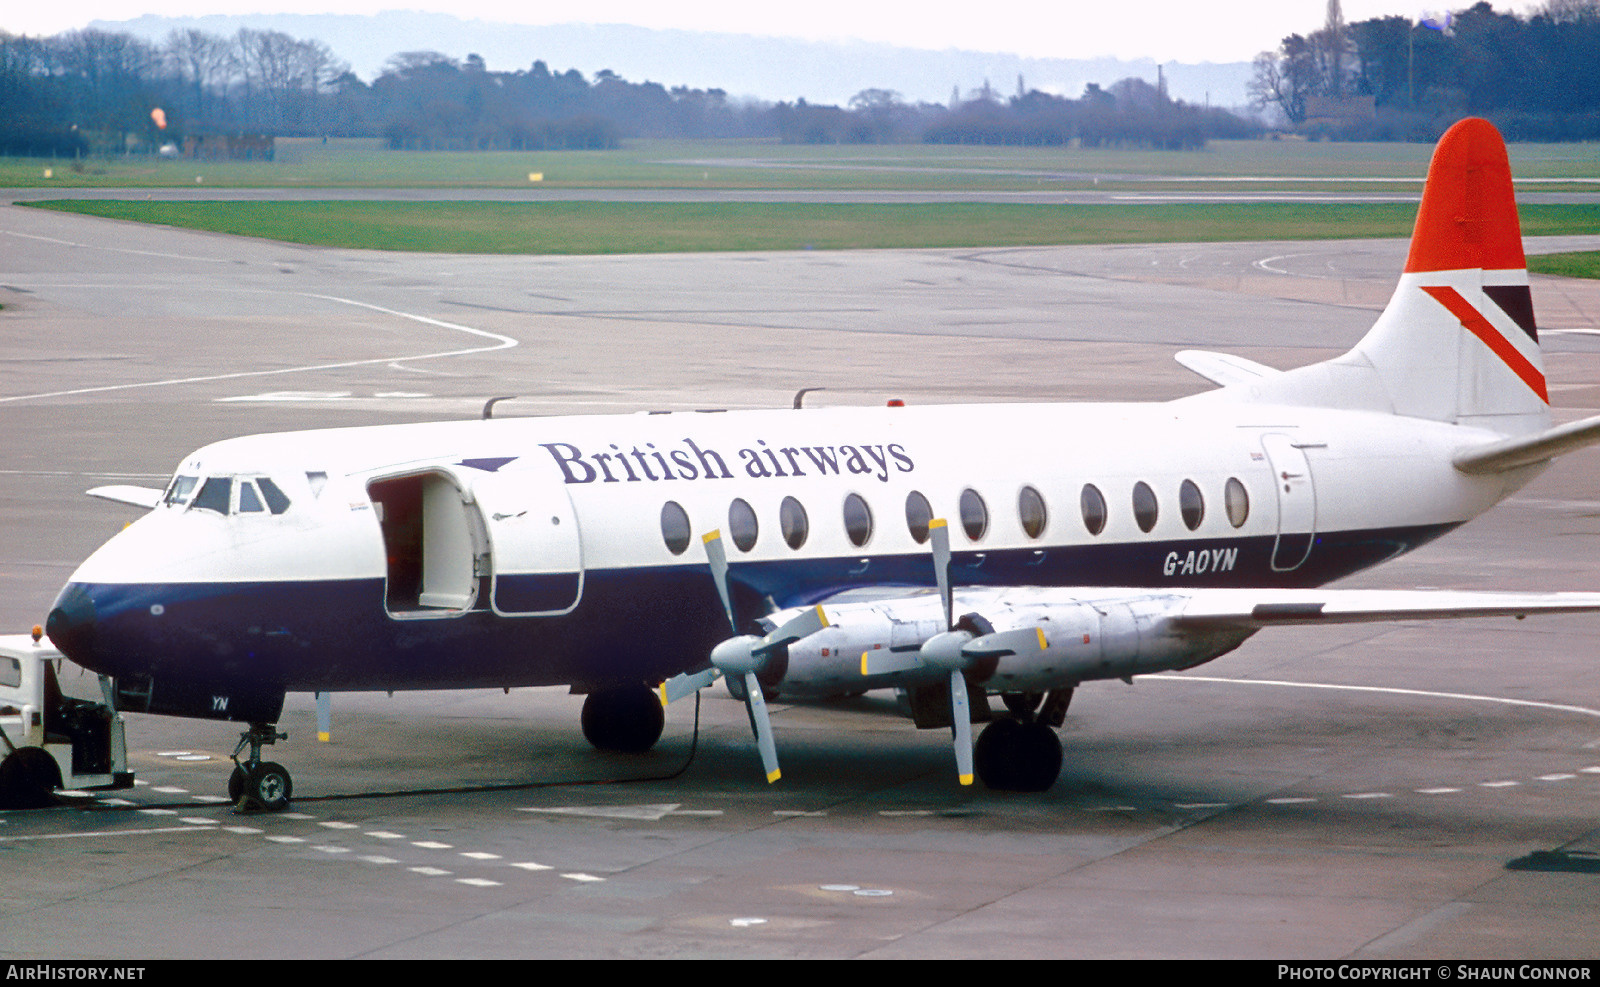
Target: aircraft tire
{"points": [[268, 786], [28, 779], [1040, 763], [271, 786], [994, 755], [627, 720], [1013, 756]]}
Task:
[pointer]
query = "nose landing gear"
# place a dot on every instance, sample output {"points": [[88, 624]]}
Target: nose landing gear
{"points": [[257, 785]]}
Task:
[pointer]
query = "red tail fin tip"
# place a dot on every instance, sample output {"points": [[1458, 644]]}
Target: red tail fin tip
{"points": [[1468, 218]]}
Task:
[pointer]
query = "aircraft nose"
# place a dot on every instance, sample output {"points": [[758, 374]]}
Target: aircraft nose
{"points": [[71, 625]]}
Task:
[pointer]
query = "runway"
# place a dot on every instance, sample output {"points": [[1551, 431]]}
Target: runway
{"points": [[1368, 792]]}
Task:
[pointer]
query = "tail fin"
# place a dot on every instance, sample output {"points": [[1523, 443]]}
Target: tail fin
{"points": [[1457, 342]]}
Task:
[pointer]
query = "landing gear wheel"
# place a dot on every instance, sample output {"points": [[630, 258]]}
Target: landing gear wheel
{"points": [[28, 779], [267, 786], [1014, 756], [270, 786], [993, 755], [258, 784], [628, 720]]}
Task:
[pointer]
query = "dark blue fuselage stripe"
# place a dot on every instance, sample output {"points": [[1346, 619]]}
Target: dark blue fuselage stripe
{"points": [[631, 625]]}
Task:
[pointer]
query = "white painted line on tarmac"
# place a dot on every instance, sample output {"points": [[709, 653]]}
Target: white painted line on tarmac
{"points": [[98, 834], [500, 343], [1427, 694]]}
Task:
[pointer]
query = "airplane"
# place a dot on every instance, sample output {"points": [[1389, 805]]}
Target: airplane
{"points": [[952, 551]]}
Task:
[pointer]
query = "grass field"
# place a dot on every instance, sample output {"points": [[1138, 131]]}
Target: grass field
{"points": [[610, 227], [484, 227], [1575, 265], [304, 163]]}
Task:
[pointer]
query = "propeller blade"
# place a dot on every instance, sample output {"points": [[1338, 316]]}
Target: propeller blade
{"points": [[961, 726], [802, 625], [718, 557], [761, 724], [883, 661], [1023, 640], [939, 538], [686, 684]]}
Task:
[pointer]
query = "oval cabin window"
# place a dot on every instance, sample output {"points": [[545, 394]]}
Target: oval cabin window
{"points": [[1237, 502], [918, 514], [1144, 506], [742, 524], [974, 514], [792, 522], [675, 527], [1191, 505], [1093, 504], [857, 520], [1030, 510]]}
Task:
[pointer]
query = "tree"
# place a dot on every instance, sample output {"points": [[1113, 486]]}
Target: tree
{"points": [[1284, 78]]}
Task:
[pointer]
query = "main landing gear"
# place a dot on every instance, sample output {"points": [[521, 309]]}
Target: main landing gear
{"points": [[1021, 752], [256, 784], [627, 719]]}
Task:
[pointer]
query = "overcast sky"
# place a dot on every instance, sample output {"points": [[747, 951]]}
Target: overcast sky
{"points": [[1167, 30]]}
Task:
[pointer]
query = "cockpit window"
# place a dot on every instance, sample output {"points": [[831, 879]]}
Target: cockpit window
{"points": [[277, 501], [248, 501], [214, 494], [180, 489]]}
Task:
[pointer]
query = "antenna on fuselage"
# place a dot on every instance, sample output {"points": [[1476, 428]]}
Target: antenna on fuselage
{"points": [[800, 395], [488, 407]]}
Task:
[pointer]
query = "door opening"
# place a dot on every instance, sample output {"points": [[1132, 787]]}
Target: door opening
{"points": [[432, 544]]}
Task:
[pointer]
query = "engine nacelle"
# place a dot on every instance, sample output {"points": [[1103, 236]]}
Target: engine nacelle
{"points": [[1102, 639], [1089, 635]]}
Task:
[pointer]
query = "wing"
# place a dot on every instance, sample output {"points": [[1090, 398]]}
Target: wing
{"points": [[124, 494], [1224, 368], [1256, 608]]}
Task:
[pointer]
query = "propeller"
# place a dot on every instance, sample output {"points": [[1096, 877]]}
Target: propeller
{"points": [[747, 655], [945, 651], [957, 650]]}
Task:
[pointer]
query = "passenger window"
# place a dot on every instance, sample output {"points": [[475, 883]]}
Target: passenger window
{"points": [[1237, 501], [248, 501], [792, 522], [1191, 505], [1144, 506], [1093, 505], [918, 514], [974, 514], [742, 524], [277, 500], [857, 520], [674, 527], [1030, 508], [214, 495]]}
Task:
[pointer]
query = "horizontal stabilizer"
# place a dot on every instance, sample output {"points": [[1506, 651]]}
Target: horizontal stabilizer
{"points": [[1224, 368], [1525, 450], [1256, 608], [125, 494]]}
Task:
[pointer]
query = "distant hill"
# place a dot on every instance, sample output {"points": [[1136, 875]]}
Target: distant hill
{"points": [[742, 65]]}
